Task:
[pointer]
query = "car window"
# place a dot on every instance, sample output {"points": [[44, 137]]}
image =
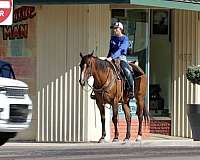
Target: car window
{"points": [[6, 71]]}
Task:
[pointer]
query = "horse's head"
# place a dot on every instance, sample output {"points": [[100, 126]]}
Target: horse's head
{"points": [[86, 68]]}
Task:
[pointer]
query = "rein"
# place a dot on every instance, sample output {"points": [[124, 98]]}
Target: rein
{"points": [[104, 86], [107, 85]]}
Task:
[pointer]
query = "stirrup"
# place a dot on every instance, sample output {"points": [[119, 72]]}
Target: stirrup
{"points": [[92, 96], [131, 94]]}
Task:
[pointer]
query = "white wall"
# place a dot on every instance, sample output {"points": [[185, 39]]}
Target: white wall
{"points": [[65, 111], [186, 51]]}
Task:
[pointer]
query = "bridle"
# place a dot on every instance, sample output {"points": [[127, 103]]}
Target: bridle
{"points": [[106, 85]]}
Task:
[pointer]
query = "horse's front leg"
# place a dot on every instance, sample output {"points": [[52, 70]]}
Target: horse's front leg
{"points": [[114, 119], [102, 112], [127, 112], [140, 107]]}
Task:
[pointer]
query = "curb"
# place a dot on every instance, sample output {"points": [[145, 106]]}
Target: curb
{"points": [[145, 143], [155, 140]]}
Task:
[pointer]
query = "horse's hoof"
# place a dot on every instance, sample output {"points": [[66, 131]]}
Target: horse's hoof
{"points": [[115, 140], [126, 141], [102, 140], [138, 139]]}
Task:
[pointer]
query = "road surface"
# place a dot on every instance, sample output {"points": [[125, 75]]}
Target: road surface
{"points": [[63, 151]]}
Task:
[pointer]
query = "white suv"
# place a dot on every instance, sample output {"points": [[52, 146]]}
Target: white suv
{"points": [[15, 104]]}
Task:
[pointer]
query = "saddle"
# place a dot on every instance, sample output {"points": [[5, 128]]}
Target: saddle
{"points": [[135, 70]]}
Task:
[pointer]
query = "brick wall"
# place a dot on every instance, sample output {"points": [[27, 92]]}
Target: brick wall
{"points": [[134, 129], [160, 127], [25, 70], [156, 126]]}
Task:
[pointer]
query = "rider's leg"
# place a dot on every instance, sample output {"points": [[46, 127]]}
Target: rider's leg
{"points": [[129, 77]]}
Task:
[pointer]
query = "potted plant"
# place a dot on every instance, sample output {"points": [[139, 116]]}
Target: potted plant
{"points": [[193, 110], [193, 74]]}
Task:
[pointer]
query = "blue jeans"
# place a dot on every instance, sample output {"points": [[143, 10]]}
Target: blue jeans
{"points": [[126, 69]]}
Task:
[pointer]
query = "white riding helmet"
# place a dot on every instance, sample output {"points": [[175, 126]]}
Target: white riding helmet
{"points": [[118, 25]]}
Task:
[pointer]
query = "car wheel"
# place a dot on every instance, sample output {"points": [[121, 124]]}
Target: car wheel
{"points": [[3, 141]]}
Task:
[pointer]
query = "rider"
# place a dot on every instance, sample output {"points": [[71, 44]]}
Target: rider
{"points": [[118, 50]]}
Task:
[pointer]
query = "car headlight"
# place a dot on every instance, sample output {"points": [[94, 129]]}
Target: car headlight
{"points": [[2, 90]]}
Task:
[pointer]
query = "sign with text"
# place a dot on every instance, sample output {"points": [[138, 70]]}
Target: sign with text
{"points": [[6, 12]]}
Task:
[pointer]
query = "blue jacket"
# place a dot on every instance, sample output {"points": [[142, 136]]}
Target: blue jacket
{"points": [[118, 47]]}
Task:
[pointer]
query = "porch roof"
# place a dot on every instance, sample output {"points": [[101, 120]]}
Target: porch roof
{"points": [[172, 4]]}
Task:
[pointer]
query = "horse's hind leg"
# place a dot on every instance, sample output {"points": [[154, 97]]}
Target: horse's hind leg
{"points": [[102, 112], [114, 119], [140, 107], [127, 112]]}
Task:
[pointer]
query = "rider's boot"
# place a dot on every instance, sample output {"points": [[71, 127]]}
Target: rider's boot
{"points": [[131, 85], [129, 77]]}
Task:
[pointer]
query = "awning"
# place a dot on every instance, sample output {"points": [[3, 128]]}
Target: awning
{"points": [[70, 1], [172, 4]]}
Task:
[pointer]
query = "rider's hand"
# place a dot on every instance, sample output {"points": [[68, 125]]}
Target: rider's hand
{"points": [[109, 59]]}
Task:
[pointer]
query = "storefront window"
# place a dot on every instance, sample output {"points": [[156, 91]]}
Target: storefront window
{"points": [[135, 22], [148, 56], [160, 55], [136, 25]]}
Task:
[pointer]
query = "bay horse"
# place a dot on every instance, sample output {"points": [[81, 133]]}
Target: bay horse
{"points": [[109, 89]]}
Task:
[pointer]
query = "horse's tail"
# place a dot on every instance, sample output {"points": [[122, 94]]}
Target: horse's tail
{"points": [[146, 116]]}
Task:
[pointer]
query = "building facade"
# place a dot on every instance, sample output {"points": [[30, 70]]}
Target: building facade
{"points": [[44, 45]]}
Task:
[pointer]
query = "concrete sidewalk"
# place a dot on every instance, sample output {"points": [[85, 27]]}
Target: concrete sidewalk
{"points": [[164, 140], [155, 140]]}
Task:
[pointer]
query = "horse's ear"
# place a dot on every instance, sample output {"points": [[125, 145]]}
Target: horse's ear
{"points": [[81, 54], [92, 53]]}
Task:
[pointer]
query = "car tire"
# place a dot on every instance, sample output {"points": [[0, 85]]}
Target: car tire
{"points": [[3, 141]]}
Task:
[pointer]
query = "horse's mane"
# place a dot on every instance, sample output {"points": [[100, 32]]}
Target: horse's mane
{"points": [[103, 64]]}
